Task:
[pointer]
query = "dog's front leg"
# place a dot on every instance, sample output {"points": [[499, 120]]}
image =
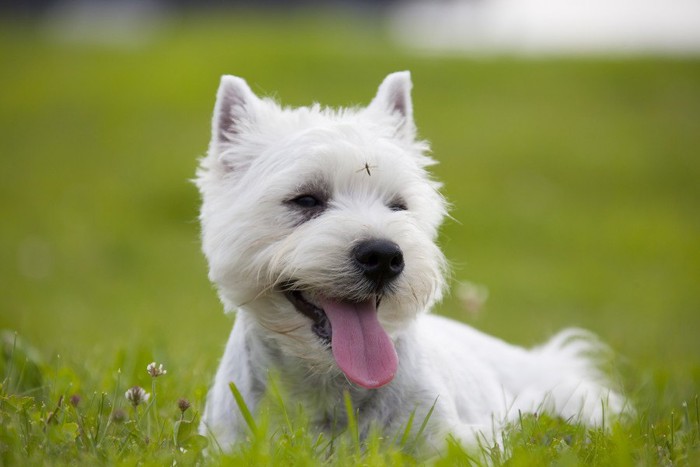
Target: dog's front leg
{"points": [[222, 420]]}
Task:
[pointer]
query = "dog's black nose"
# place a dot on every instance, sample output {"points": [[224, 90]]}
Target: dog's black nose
{"points": [[380, 260]]}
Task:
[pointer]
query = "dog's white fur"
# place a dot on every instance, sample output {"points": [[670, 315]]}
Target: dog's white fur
{"points": [[261, 156]]}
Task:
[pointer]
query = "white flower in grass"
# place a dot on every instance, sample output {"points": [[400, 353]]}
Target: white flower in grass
{"points": [[155, 371], [136, 395]]}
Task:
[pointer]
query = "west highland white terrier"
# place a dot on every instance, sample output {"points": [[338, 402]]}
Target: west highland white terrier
{"points": [[319, 227]]}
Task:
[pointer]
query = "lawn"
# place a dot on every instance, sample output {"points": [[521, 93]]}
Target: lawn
{"points": [[575, 193]]}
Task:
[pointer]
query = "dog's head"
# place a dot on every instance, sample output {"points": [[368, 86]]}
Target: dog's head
{"points": [[322, 224]]}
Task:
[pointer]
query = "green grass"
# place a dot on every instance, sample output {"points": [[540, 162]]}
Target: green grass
{"points": [[575, 197]]}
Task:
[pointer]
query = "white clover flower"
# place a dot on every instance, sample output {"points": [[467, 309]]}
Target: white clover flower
{"points": [[136, 395], [155, 371]]}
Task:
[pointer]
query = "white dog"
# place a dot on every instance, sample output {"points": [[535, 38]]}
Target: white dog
{"points": [[319, 226]]}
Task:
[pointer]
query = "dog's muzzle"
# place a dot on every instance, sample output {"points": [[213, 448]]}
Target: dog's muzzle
{"points": [[347, 320]]}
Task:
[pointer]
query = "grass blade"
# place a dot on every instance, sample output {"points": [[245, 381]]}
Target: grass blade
{"points": [[425, 420], [247, 416], [407, 430], [352, 420]]}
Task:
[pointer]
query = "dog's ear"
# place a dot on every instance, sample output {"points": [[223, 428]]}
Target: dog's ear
{"points": [[232, 112], [394, 98]]}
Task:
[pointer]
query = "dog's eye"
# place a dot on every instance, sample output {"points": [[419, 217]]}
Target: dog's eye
{"points": [[307, 201], [398, 205]]}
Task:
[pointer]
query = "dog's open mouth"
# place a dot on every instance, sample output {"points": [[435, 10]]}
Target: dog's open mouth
{"points": [[360, 346]]}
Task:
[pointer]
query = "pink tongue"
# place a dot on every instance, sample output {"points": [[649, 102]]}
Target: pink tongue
{"points": [[361, 347]]}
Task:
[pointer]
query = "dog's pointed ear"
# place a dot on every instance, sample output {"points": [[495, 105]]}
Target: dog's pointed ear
{"points": [[232, 111], [394, 98]]}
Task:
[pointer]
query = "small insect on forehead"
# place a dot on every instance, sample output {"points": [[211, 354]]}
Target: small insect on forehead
{"points": [[367, 168]]}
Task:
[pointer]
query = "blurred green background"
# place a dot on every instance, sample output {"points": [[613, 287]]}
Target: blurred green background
{"points": [[575, 183]]}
